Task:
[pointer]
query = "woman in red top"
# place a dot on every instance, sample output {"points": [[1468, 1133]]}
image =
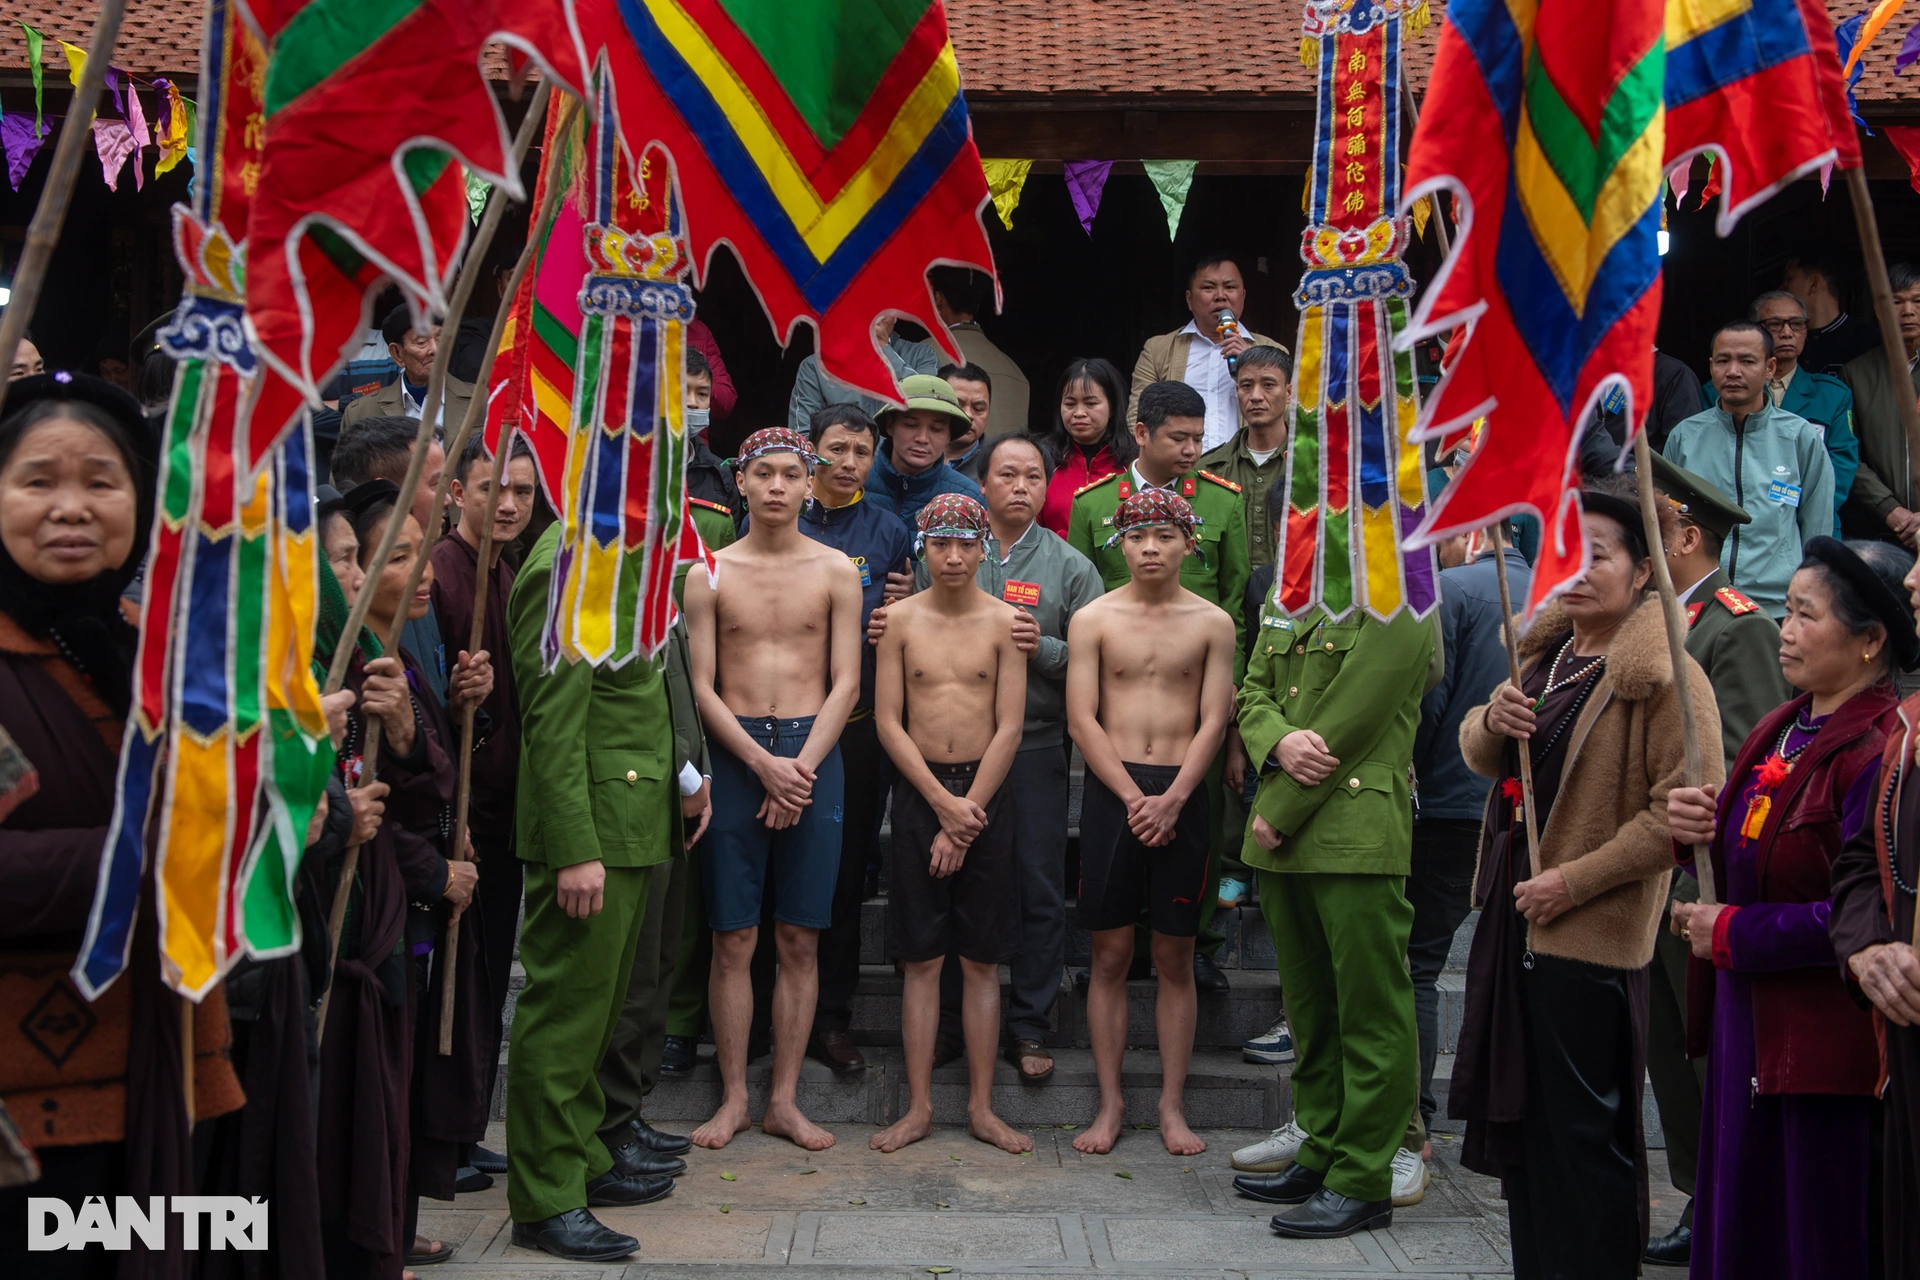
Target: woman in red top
{"points": [[1088, 439]]}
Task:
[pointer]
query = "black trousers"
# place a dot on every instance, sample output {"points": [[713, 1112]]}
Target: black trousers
{"points": [[860, 757], [1441, 891], [1577, 1208], [498, 892]]}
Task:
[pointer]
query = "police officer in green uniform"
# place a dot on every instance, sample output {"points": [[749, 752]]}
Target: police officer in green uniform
{"points": [[1171, 424], [597, 810], [1738, 645]]}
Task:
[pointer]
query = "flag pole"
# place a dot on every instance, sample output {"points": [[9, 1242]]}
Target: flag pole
{"points": [[1868, 228], [1513, 674], [51, 213], [1676, 643], [416, 466], [483, 578]]}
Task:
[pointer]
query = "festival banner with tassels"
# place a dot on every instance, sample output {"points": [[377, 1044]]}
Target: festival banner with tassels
{"points": [[1553, 123], [1354, 478], [226, 752]]}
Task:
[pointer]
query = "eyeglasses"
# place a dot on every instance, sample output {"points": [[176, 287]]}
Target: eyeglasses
{"points": [[1793, 324]]}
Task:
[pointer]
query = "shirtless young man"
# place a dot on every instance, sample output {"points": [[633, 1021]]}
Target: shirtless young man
{"points": [[949, 701], [775, 649], [1149, 698]]}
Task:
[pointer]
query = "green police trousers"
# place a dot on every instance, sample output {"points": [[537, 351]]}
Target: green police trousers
{"points": [[632, 1065], [693, 958], [1341, 944], [577, 974]]}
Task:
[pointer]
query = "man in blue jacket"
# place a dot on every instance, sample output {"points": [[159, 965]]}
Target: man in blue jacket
{"points": [[910, 469], [839, 513]]}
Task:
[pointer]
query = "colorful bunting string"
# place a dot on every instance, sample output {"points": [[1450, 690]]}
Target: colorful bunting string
{"points": [[1875, 18], [113, 142], [1906, 140], [1005, 178], [35, 43], [22, 144]]}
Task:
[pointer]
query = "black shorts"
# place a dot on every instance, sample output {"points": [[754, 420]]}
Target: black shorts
{"points": [[1118, 873], [976, 910]]}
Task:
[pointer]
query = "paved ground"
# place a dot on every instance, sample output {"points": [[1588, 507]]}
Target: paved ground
{"points": [[952, 1206]]}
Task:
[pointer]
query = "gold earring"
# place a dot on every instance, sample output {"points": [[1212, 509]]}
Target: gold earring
{"points": [[1867, 657]]}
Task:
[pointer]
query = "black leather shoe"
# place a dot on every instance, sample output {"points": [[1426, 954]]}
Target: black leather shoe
{"points": [[489, 1161], [616, 1187], [666, 1144], [1294, 1184], [1674, 1249], [837, 1050], [575, 1235], [632, 1160], [469, 1179], [1207, 975], [1328, 1215], [678, 1056]]}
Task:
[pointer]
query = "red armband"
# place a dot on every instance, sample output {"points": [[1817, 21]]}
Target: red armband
{"points": [[1722, 942]]}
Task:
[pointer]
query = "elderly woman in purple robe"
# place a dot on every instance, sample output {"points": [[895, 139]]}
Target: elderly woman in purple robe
{"points": [[1784, 1163]]}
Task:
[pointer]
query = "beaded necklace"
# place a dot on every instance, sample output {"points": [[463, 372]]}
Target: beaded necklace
{"points": [[1893, 847], [1773, 772], [1585, 673], [1554, 686]]}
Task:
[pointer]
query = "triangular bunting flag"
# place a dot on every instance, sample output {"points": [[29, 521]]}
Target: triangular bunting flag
{"points": [[76, 62], [22, 144], [171, 133], [1172, 179], [114, 143], [34, 41], [1086, 179], [1005, 178], [1906, 140], [1876, 18]]}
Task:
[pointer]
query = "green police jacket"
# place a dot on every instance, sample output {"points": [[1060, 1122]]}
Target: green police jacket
{"points": [[597, 754], [1218, 573], [1738, 646], [1358, 684], [1233, 461]]}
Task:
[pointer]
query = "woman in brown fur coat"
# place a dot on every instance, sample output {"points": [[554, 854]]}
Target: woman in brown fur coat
{"points": [[1553, 1050]]}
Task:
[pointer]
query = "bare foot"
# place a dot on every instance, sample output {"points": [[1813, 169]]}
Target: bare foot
{"points": [[991, 1129], [909, 1128], [1180, 1140], [1426, 1150], [1100, 1135], [730, 1119], [783, 1120]]}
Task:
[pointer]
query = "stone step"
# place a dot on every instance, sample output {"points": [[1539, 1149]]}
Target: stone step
{"points": [[1222, 1091]]}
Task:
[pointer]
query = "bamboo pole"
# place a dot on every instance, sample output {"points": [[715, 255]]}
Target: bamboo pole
{"points": [[470, 271], [187, 1008], [483, 578], [1513, 673], [51, 214], [1676, 644], [1439, 209], [1868, 228]]}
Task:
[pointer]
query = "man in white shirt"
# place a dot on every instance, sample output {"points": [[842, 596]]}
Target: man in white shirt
{"points": [[1203, 352]]}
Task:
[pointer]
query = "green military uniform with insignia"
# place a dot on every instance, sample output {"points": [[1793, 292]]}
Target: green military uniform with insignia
{"points": [[596, 782], [1235, 462], [1332, 893], [1738, 645], [1218, 571]]}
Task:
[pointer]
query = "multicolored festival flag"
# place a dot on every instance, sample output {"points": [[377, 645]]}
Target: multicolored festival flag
{"points": [[226, 750], [1354, 479], [826, 142], [1553, 122]]}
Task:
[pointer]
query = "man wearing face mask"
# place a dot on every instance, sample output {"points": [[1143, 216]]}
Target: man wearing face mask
{"points": [[413, 349], [1199, 352], [709, 479]]}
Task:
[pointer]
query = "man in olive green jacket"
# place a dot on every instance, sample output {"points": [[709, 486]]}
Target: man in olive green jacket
{"points": [[597, 811], [1329, 710]]}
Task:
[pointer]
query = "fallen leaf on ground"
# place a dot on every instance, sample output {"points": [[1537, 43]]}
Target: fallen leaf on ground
{"points": [[953, 1157], [726, 1176], [805, 1172], [1124, 1174], [856, 1202], [1069, 1126], [726, 1208], [941, 1204]]}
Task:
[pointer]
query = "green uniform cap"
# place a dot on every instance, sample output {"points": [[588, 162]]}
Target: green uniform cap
{"points": [[1701, 503], [924, 391]]}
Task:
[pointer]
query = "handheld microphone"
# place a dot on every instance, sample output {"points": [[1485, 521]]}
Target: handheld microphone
{"points": [[1225, 326]]}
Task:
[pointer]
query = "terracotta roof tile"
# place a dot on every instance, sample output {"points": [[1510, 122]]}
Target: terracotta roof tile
{"points": [[1006, 48]]}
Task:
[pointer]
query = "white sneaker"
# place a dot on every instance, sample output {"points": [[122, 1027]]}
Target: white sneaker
{"points": [[1410, 1178], [1274, 1152]]}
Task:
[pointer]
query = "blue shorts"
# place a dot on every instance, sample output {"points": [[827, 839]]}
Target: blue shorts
{"points": [[738, 846]]}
